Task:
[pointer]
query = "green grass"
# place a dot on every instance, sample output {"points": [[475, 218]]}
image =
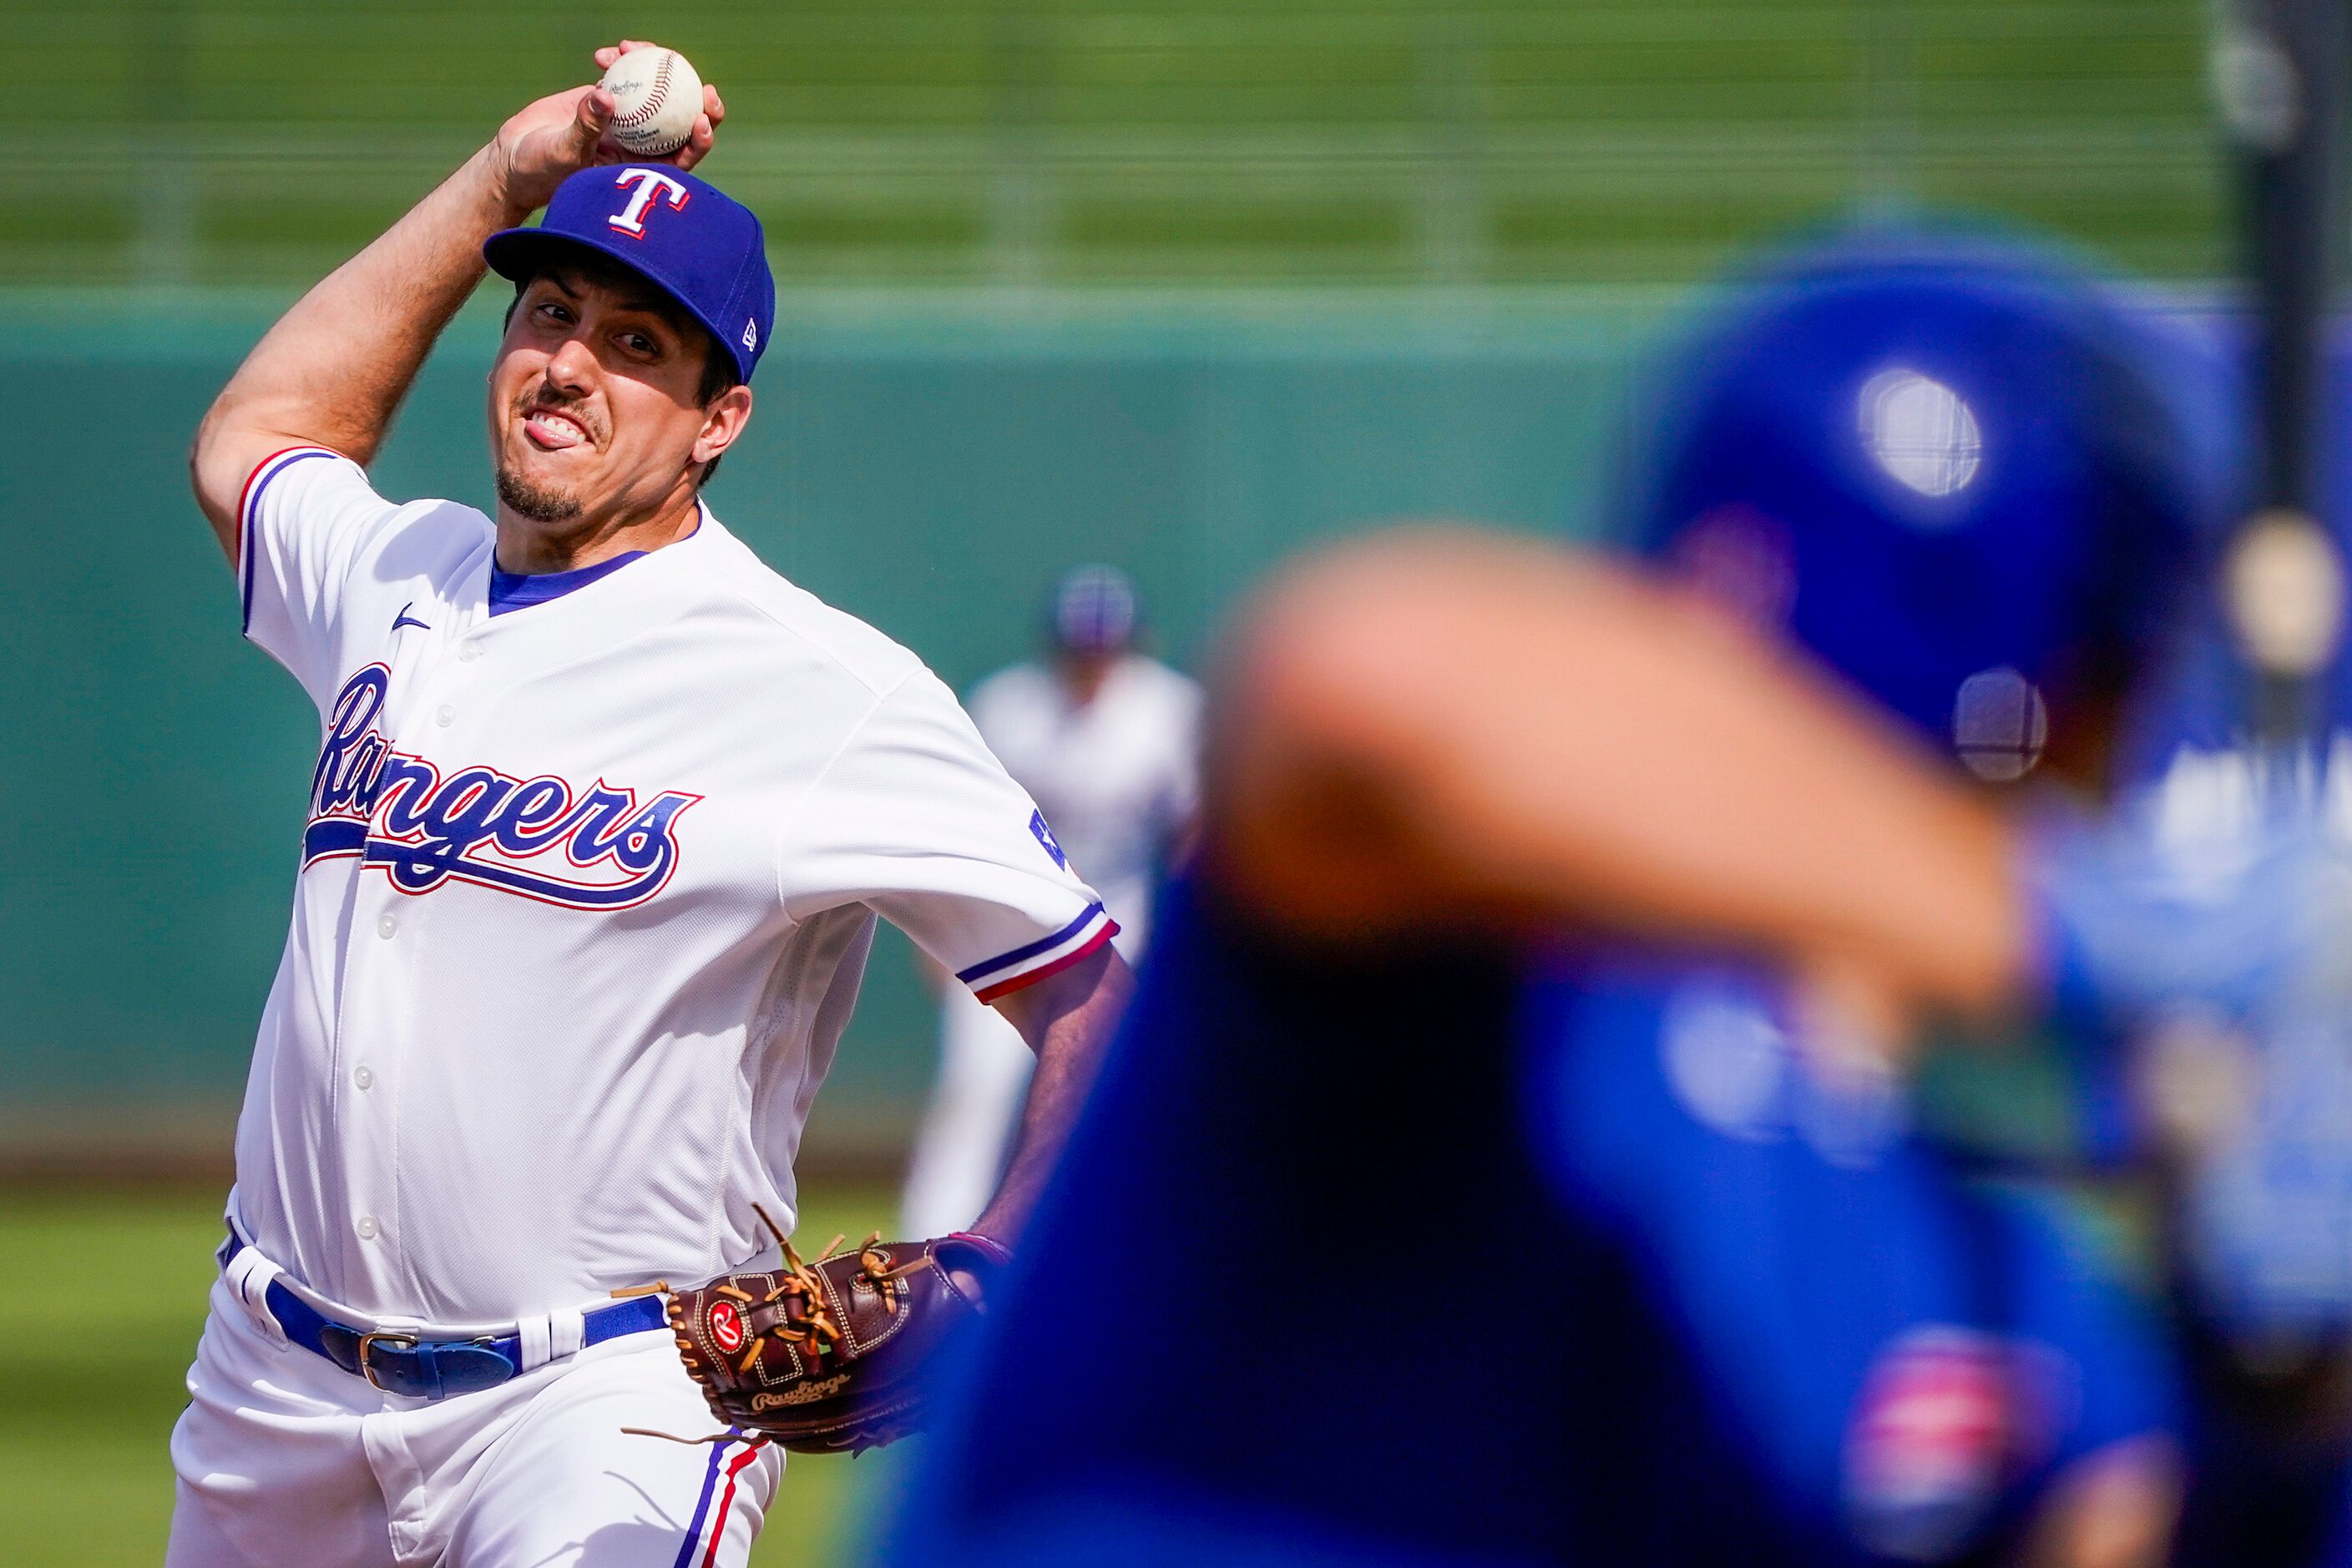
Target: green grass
{"points": [[99, 1310], [257, 140]]}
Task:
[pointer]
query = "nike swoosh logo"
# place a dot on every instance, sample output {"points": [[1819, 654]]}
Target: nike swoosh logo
{"points": [[405, 619]]}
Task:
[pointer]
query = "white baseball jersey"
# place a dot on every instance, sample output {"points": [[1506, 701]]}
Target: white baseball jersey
{"points": [[1118, 776], [585, 892]]}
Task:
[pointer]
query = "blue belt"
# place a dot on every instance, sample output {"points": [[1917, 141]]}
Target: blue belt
{"points": [[424, 1368]]}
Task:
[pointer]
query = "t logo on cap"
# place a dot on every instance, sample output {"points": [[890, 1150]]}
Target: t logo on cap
{"points": [[649, 183]]}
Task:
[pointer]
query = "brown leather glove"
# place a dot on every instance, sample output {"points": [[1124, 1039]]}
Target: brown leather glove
{"points": [[830, 1355]]}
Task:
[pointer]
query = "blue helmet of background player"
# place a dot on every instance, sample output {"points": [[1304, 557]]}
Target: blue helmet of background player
{"points": [[1956, 471], [1095, 611]]}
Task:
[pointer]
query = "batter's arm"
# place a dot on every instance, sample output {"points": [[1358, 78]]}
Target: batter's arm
{"points": [[1068, 1019], [1454, 728], [334, 368]]}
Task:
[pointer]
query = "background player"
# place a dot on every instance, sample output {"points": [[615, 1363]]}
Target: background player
{"points": [[1107, 739], [2199, 744], [603, 812], [1750, 1321]]}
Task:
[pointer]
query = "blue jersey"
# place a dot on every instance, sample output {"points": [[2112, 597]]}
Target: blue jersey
{"points": [[1906, 1357], [1417, 1260]]}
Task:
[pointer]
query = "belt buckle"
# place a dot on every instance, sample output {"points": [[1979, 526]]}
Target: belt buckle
{"points": [[404, 1342]]}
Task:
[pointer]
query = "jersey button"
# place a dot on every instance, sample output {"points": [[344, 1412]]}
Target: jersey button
{"points": [[446, 716], [387, 925], [469, 652], [363, 1077], [365, 1226]]}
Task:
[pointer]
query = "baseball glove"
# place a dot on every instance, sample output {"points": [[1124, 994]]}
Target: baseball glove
{"points": [[826, 1356]]}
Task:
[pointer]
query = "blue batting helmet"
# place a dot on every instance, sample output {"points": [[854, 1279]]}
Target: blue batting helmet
{"points": [[1958, 471]]}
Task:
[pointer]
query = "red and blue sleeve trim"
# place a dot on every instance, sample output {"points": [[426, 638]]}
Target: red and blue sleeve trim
{"points": [[1005, 974], [981, 971], [247, 500]]}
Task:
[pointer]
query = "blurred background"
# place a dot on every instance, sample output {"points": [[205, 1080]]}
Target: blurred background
{"points": [[1175, 285]]}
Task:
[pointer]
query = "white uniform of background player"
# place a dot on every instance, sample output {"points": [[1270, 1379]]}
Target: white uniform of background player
{"points": [[603, 812], [1107, 742]]}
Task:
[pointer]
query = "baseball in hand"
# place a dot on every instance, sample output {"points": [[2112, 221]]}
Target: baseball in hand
{"points": [[656, 96]]}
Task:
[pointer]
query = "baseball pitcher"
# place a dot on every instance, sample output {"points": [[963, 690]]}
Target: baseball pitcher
{"points": [[603, 814]]}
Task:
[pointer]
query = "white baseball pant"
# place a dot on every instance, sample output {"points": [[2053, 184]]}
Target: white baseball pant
{"points": [[285, 1460]]}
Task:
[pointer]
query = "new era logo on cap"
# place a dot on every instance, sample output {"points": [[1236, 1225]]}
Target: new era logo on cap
{"points": [[699, 245]]}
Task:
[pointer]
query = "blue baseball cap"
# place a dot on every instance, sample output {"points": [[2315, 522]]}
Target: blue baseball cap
{"points": [[1953, 468], [695, 242], [1095, 610]]}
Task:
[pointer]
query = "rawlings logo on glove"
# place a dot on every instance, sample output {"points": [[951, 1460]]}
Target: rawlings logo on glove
{"points": [[826, 1356]]}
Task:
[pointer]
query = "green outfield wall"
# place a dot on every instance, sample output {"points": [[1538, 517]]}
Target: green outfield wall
{"points": [[928, 462]]}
